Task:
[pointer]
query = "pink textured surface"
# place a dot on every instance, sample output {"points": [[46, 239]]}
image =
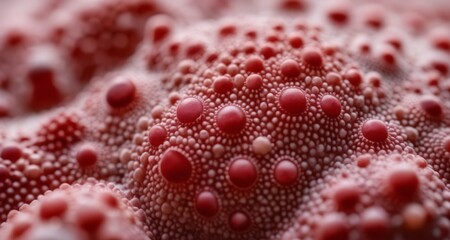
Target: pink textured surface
{"points": [[203, 119]]}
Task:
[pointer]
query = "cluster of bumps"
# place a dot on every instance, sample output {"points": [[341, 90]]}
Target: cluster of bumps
{"points": [[203, 119]]}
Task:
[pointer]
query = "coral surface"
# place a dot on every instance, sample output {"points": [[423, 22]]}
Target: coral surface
{"points": [[224, 120]]}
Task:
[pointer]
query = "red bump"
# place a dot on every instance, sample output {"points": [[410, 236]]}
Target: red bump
{"points": [[90, 217], [121, 94], [207, 204], [21, 226], [86, 156], [312, 57], [297, 5], [290, 68], [268, 51], [374, 17], [53, 207], [189, 110], [374, 223], [254, 64], [109, 199], [375, 130], [227, 30], [254, 82], [293, 101], [286, 172], [175, 167], [11, 152], [338, 12], [4, 173], [333, 78], [295, 40], [195, 49], [239, 221], [440, 39], [354, 77], [404, 182], [388, 55], [446, 143], [159, 27], [333, 227], [45, 92], [223, 85], [431, 106], [15, 37], [231, 119], [157, 135], [331, 106], [440, 65], [346, 195], [242, 173]]}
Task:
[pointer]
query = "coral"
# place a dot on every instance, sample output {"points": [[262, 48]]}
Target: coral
{"points": [[293, 119]]}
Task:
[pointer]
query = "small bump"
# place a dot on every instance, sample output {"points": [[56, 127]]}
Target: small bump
{"points": [[175, 167], [268, 51], [333, 227], [375, 130], [231, 119], [223, 85], [87, 156], [396, 42], [239, 221], [121, 94], [261, 145], [45, 91], [157, 135], [312, 56], [331, 106], [242, 173], [414, 217], [363, 161], [374, 78], [290, 68], [431, 106], [53, 207], [440, 39], [346, 195], [293, 101], [374, 223], [159, 28], [90, 218], [254, 64], [338, 12], [254, 82], [11, 152], [388, 55], [189, 110], [446, 144], [333, 78], [295, 40], [4, 173], [227, 30], [374, 16], [403, 182], [293, 5], [21, 226], [441, 65], [207, 204], [354, 77], [195, 49], [286, 173], [109, 199]]}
